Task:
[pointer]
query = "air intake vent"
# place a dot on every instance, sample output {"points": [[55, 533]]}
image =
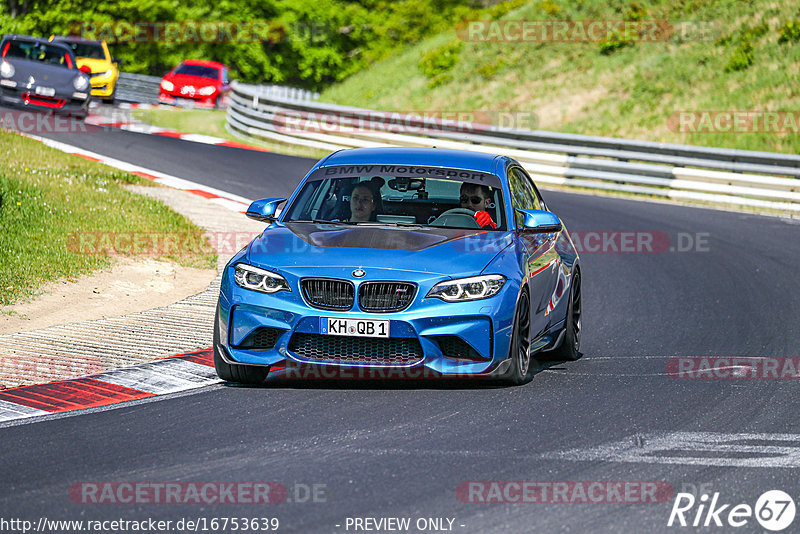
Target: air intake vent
{"points": [[385, 296], [356, 350], [328, 293], [263, 338], [455, 348]]}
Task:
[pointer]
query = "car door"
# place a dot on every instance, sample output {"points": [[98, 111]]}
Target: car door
{"points": [[541, 261]]}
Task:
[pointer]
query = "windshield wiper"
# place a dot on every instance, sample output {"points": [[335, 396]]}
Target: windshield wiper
{"points": [[375, 223], [318, 221], [359, 223]]}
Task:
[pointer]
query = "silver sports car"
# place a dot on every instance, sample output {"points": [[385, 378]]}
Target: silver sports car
{"points": [[38, 74]]}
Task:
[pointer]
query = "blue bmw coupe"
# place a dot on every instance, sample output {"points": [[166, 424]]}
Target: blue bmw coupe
{"points": [[439, 261]]}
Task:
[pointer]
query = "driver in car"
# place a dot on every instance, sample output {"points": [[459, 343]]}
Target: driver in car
{"points": [[478, 198]]}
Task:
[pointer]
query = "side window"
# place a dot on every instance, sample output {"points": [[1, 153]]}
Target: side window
{"points": [[307, 204], [538, 203], [522, 195], [225, 78], [539, 198]]}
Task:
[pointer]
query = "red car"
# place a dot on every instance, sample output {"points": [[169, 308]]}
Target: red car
{"points": [[195, 82]]}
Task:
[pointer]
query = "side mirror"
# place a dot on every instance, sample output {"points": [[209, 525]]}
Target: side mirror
{"points": [[264, 210], [86, 69], [538, 221], [117, 60]]}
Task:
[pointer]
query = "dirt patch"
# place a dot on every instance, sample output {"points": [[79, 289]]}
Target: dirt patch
{"points": [[128, 286]]}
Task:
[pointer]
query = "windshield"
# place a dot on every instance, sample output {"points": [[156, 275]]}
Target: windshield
{"points": [[398, 201], [198, 70], [90, 50], [35, 51]]}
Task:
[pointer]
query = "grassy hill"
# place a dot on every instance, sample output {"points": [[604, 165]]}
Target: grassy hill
{"points": [[724, 55]]}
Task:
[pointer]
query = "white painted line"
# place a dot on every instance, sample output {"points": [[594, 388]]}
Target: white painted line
{"points": [[143, 128], [199, 138], [191, 371], [695, 448], [10, 410], [163, 376], [145, 380], [233, 202]]}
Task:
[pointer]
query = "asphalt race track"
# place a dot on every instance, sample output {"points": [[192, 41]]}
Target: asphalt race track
{"points": [[397, 449]]}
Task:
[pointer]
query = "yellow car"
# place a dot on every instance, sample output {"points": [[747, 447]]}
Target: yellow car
{"points": [[95, 60]]}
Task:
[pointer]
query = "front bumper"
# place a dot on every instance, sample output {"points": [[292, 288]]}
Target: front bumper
{"points": [[103, 86], [60, 103], [428, 324], [194, 100]]}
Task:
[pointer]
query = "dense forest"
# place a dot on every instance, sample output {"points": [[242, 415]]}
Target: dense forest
{"points": [[304, 43]]}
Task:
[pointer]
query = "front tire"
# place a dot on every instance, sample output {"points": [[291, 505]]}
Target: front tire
{"points": [[519, 352], [570, 347], [244, 374]]}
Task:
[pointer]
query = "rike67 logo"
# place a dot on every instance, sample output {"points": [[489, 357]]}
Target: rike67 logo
{"points": [[774, 510]]}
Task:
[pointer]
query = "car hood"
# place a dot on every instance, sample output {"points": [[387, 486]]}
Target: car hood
{"points": [[43, 74], [444, 251]]}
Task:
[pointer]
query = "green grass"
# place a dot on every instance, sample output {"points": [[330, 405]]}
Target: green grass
{"points": [[748, 60], [212, 122], [49, 201]]}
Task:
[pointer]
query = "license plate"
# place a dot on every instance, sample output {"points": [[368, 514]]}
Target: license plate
{"points": [[45, 91], [184, 102], [335, 326]]}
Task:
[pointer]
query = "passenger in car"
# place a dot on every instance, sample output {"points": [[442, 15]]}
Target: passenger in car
{"points": [[478, 198], [365, 201]]}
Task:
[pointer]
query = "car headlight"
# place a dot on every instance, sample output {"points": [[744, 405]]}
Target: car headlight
{"points": [[207, 90], [473, 288], [80, 82], [167, 85], [6, 69], [250, 277]]}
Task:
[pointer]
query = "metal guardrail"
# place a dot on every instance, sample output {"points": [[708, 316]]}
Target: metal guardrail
{"points": [[283, 92], [143, 89], [138, 88], [729, 176]]}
